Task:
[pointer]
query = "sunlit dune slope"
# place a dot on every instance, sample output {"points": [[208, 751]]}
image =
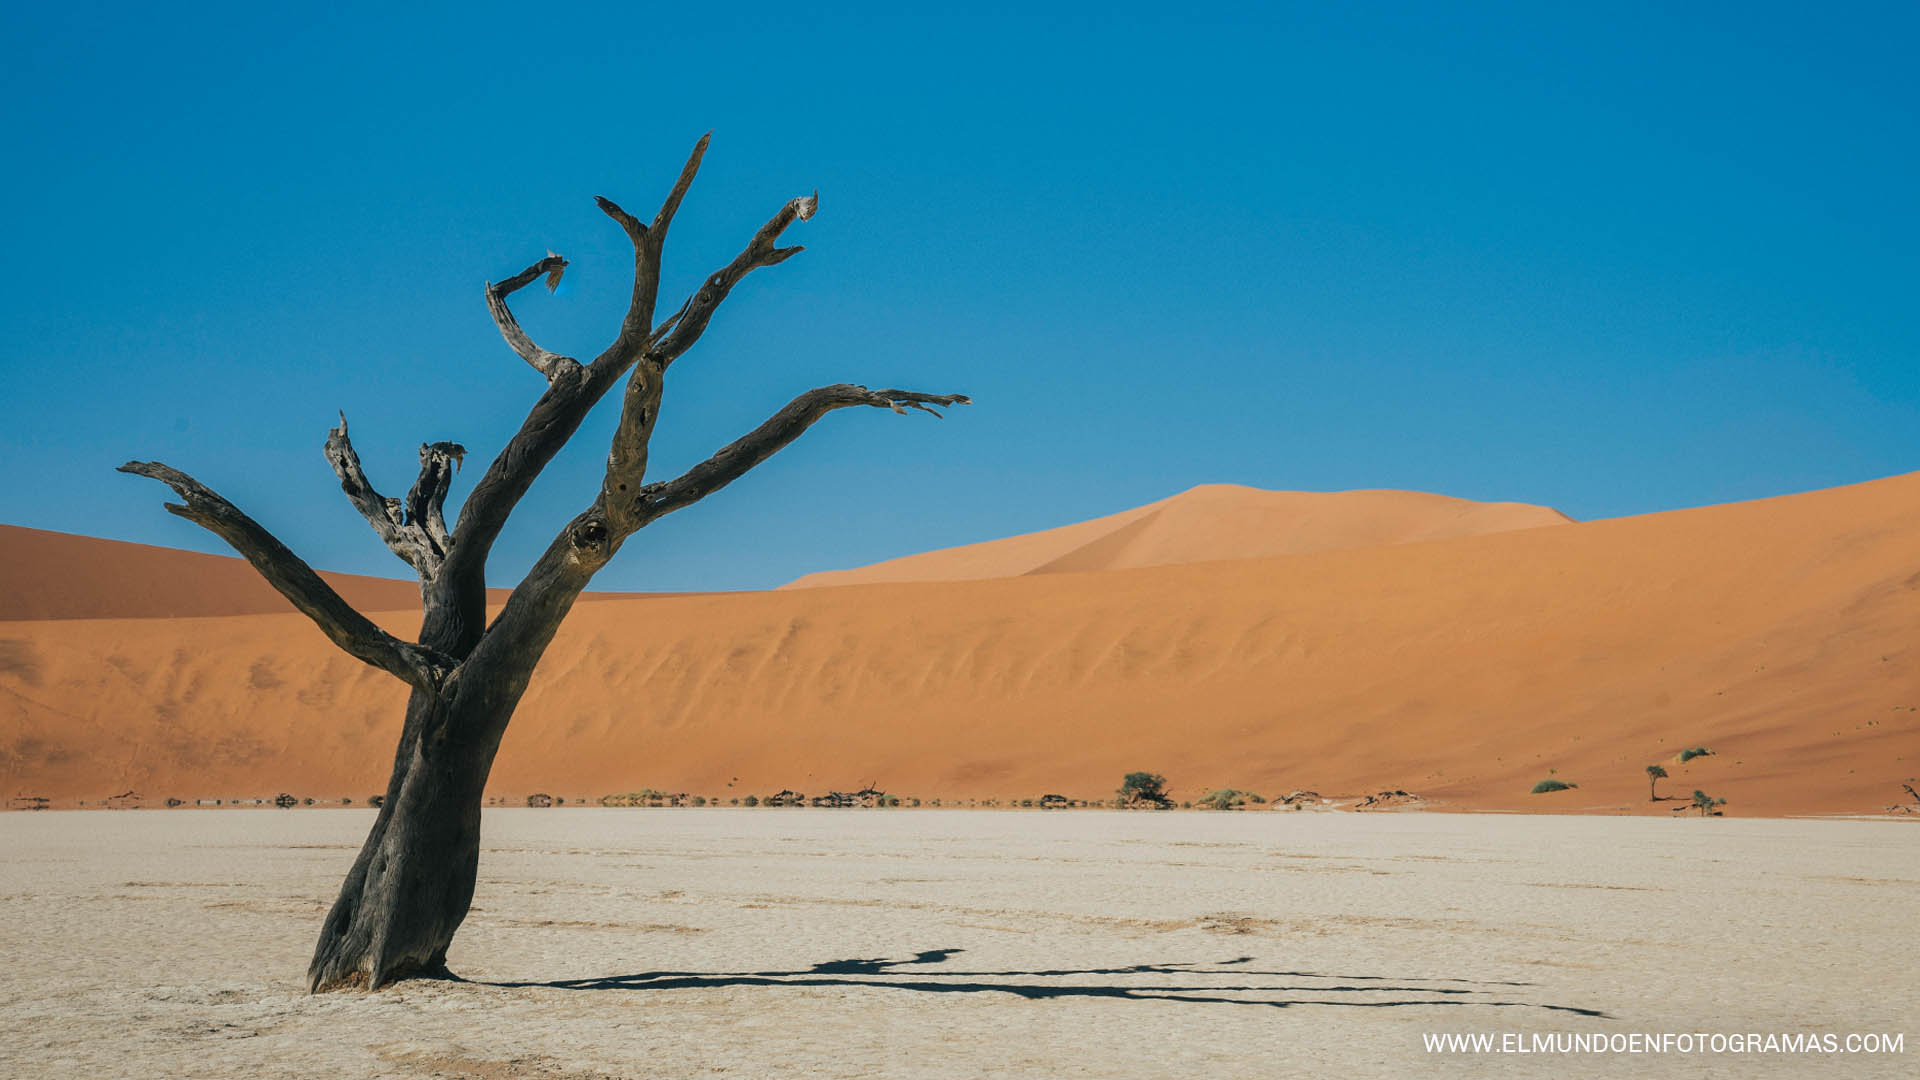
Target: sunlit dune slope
{"points": [[1781, 633], [1207, 523], [54, 575]]}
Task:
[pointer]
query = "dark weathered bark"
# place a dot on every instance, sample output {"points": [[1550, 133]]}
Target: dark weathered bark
{"points": [[416, 529], [413, 881], [546, 363], [421, 665]]}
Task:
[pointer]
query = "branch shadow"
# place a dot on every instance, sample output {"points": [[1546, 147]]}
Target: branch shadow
{"points": [[1263, 987]]}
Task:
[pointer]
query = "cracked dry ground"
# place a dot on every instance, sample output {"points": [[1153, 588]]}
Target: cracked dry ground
{"points": [[672, 943]]}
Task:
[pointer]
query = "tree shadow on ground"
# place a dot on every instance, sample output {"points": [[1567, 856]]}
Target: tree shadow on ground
{"points": [[1137, 982]]}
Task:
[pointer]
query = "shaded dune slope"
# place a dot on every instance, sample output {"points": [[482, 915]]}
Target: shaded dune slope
{"points": [[1208, 523], [1779, 632], [55, 575]]}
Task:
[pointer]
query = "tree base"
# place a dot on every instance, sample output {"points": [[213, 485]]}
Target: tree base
{"points": [[359, 980]]}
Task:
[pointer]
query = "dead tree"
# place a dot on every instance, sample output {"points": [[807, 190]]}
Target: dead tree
{"points": [[413, 881]]}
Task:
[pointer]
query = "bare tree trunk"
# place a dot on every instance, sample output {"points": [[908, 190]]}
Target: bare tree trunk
{"points": [[412, 884]]}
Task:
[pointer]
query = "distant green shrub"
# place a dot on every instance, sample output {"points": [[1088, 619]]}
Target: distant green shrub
{"points": [[1689, 755], [1550, 784], [1706, 803], [751, 800], [1144, 789], [1228, 798]]}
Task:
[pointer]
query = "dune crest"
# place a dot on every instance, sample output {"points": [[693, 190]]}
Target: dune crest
{"points": [[1209, 523]]}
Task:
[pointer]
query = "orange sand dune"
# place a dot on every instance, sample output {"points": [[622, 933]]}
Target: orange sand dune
{"points": [[54, 575], [1781, 633], [1208, 523]]}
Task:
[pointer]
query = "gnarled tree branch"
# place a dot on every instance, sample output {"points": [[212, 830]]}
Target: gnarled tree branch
{"points": [[734, 460], [415, 530], [573, 391], [760, 251], [648, 243], [546, 363], [387, 516], [426, 502], [416, 664], [640, 408]]}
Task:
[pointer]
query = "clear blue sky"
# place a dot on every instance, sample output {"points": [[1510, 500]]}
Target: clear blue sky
{"points": [[1612, 259]]}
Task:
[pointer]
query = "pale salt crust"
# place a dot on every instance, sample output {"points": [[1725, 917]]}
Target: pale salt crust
{"points": [[678, 943]]}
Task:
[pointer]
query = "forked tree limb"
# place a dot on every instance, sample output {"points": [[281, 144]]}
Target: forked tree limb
{"points": [[418, 665], [387, 516], [760, 251], [416, 529], [572, 391], [640, 407], [426, 502], [546, 363], [649, 242]]}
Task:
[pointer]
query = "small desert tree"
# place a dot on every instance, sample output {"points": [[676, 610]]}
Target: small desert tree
{"points": [[1655, 774], [1144, 789], [412, 884], [1706, 803]]}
